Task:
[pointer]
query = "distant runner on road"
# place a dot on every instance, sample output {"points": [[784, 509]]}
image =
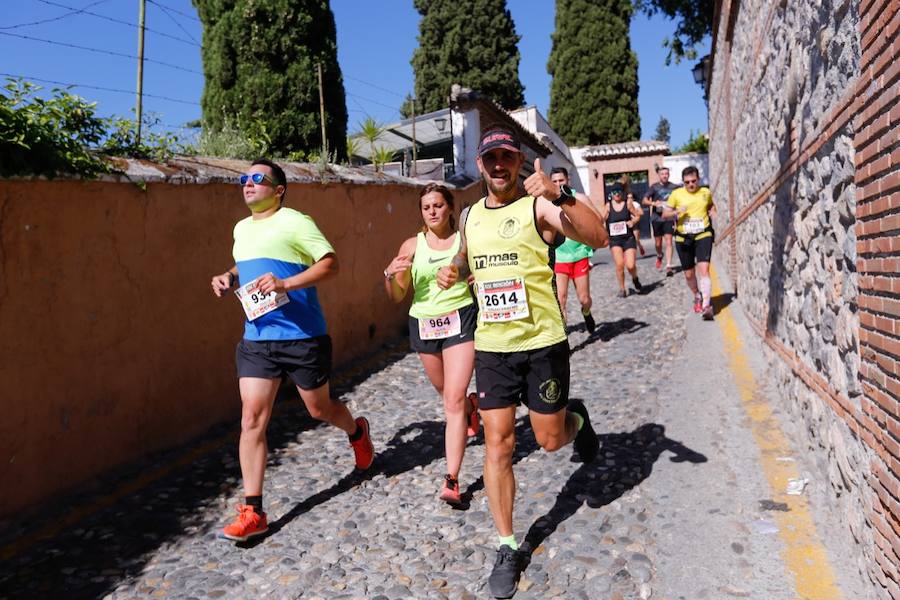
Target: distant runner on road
{"points": [[280, 255], [621, 217], [663, 228], [694, 236], [441, 323], [521, 348], [573, 262]]}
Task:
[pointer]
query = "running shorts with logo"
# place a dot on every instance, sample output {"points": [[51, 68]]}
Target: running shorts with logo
{"points": [[657, 192], [521, 349], [284, 244], [694, 235], [307, 362], [438, 318], [574, 270]]}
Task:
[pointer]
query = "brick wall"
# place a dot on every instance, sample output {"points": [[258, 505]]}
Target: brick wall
{"points": [[804, 155], [878, 247]]}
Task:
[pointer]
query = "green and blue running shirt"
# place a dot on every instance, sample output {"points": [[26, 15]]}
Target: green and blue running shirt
{"points": [[285, 244]]}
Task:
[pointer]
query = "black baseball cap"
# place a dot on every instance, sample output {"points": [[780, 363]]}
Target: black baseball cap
{"points": [[497, 137]]}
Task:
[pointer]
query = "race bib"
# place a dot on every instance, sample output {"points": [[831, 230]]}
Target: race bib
{"points": [[438, 328], [619, 228], [502, 300], [693, 226], [256, 303]]}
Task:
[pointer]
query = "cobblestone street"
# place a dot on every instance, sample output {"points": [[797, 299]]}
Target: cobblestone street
{"points": [[664, 512]]}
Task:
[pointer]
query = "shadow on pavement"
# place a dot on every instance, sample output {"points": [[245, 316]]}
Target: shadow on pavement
{"points": [[625, 460], [606, 331], [88, 541], [721, 301]]}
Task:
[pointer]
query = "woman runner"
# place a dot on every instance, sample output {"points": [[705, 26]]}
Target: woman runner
{"points": [[441, 323], [621, 217]]}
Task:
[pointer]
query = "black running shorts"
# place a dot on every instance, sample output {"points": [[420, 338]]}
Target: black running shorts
{"points": [[468, 319], [625, 243], [307, 362], [661, 227], [691, 251], [537, 378]]}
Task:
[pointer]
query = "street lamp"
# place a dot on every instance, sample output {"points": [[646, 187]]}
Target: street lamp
{"points": [[441, 124], [701, 75]]}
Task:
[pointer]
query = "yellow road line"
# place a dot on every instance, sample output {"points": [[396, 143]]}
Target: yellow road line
{"points": [[804, 555]]}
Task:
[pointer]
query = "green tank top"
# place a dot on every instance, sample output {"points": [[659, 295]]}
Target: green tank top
{"points": [[517, 305], [571, 251], [428, 299]]}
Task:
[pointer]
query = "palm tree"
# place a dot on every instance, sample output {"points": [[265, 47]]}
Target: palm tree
{"points": [[382, 156], [371, 130], [353, 147]]}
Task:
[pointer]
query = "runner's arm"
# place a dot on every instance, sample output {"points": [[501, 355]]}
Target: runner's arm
{"points": [[397, 275], [459, 265], [636, 214], [321, 270], [575, 220], [225, 281]]}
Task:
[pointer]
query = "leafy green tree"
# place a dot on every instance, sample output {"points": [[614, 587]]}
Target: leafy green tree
{"points": [[593, 94], [662, 130], [469, 42], [698, 142], [695, 21], [260, 58]]}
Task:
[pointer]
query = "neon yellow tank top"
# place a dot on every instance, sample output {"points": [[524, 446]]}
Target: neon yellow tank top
{"points": [[518, 309], [428, 299]]}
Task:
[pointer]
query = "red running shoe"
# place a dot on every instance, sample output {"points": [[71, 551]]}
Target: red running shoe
{"points": [[474, 422], [450, 490], [248, 524], [363, 448], [658, 263], [698, 303]]}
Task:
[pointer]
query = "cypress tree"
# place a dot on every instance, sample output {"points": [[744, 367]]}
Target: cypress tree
{"points": [[469, 42], [259, 58], [593, 93]]}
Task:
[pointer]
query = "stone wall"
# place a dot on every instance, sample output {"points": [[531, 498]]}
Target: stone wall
{"points": [[788, 97]]}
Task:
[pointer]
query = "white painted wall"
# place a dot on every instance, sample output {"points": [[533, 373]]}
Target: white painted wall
{"points": [[677, 162]]}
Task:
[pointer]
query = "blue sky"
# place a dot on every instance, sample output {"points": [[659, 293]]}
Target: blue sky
{"points": [[376, 40]]}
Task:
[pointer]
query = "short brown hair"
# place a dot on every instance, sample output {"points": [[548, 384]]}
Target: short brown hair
{"points": [[448, 198]]}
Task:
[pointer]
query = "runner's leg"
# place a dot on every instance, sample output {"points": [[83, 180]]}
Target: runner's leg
{"points": [[499, 479], [668, 241], [583, 289], [619, 259], [553, 431], [458, 363], [562, 292], [323, 407], [630, 263], [257, 399], [704, 284]]}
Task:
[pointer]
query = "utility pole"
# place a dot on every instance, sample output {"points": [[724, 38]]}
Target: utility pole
{"points": [[322, 113], [415, 170], [140, 74]]}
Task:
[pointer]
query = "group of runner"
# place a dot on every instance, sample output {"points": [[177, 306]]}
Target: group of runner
{"points": [[485, 299]]}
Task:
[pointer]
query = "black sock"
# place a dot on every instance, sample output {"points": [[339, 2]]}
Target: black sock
{"points": [[356, 435], [255, 502]]}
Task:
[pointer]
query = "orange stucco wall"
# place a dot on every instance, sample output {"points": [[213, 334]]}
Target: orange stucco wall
{"points": [[619, 165], [111, 342]]}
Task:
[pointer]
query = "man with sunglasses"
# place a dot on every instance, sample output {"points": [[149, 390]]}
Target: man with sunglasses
{"points": [[280, 255], [692, 207]]}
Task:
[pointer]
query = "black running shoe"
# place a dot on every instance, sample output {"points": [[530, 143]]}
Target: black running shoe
{"points": [[622, 294], [670, 272], [507, 569], [589, 322], [637, 284], [586, 442], [708, 313]]}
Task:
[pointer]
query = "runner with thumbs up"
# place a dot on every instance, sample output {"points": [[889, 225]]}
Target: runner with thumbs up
{"points": [[521, 349]]}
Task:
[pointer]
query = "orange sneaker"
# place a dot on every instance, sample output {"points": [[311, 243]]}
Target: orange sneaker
{"points": [[450, 490], [474, 423], [247, 525], [363, 448]]}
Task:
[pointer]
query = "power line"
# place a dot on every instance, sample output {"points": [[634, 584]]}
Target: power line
{"points": [[99, 51], [74, 11], [121, 22], [177, 12], [97, 87], [174, 20], [377, 87], [374, 102]]}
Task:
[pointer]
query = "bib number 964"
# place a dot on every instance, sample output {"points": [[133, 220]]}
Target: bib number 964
{"points": [[436, 328]]}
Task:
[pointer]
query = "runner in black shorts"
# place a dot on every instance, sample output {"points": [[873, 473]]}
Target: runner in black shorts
{"points": [[621, 216], [280, 255], [441, 323], [663, 229]]}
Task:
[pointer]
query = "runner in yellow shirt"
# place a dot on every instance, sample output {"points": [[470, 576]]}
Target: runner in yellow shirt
{"points": [[693, 207]]}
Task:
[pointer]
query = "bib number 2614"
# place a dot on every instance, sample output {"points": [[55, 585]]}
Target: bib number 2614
{"points": [[502, 300]]}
